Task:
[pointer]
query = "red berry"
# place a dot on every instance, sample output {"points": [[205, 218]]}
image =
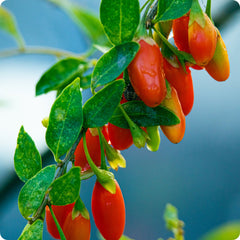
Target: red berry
{"points": [[108, 211], [146, 73]]}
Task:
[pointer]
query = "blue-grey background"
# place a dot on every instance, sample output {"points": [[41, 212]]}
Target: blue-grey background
{"points": [[200, 175]]}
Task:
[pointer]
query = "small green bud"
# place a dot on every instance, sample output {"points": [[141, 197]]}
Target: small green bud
{"points": [[79, 208], [106, 179], [45, 122], [114, 157], [139, 136], [153, 142]]}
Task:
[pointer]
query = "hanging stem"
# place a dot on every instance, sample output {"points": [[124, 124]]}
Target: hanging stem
{"points": [[57, 224], [103, 161], [208, 9]]}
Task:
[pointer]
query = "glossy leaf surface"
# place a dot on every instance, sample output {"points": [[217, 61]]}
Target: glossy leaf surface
{"points": [[98, 109], [120, 19], [65, 189], [60, 74], [113, 63], [65, 120], [143, 115], [33, 192]]}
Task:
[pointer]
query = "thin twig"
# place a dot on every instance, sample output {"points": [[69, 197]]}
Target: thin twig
{"points": [[39, 50]]}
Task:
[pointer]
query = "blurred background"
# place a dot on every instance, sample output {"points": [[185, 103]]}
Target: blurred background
{"points": [[200, 175]]}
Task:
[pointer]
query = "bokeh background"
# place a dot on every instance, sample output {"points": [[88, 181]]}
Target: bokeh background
{"points": [[200, 175]]}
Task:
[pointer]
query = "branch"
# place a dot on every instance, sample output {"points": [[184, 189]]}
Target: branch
{"points": [[40, 50], [62, 168]]}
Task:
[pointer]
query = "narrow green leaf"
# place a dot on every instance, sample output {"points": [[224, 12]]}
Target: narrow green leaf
{"points": [[27, 160], [120, 19], [172, 9], [8, 24], [33, 231], [60, 74], [86, 20], [227, 231], [143, 115], [65, 190], [113, 63], [33, 192], [98, 109], [65, 120]]}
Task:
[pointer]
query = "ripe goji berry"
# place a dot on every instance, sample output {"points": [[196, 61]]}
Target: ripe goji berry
{"points": [[61, 213], [176, 132], [193, 39], [219, 67], [182, 82], [120, 138], [94, 149], [202, 41], [77, 228], [180, 33], [108, 211], [146, 73]]}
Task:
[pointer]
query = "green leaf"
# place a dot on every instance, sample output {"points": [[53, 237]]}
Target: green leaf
{"points": [[86, 20], [65, 120], [113, 63], [33, 231], [227, 231], [65, 190], [27, 160], [60, 74], [120, 19], [98, 109], [8, 24], [33, 192], [123, 237], [172, 9], [171, 217], [143, 115]]}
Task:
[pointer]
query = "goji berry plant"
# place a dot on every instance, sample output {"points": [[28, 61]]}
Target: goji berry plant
{"points": [[140, 85]]}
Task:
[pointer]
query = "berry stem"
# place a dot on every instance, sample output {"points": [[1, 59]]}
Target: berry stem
{"points": [[105, 178], [208, 9], [62, 236], [103, 161]]}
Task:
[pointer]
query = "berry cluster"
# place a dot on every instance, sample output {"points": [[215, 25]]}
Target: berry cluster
{"points": [[146, 85], [156, 77]]}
